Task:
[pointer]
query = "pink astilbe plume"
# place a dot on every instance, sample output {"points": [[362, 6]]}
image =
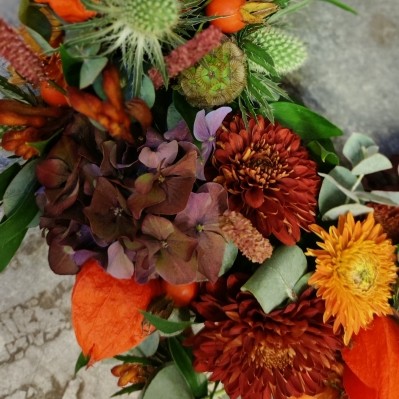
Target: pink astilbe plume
{"points": [[188, 54], [19, 55], [249, 241]]}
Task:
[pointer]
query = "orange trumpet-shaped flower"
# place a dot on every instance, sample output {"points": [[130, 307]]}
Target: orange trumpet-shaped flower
{"points": [[106, 311], [70, 11], [110, 113], [371, 370]]}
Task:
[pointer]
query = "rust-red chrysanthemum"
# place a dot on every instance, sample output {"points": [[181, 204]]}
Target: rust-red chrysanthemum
{"points": [[287, 352], [269, 176]]}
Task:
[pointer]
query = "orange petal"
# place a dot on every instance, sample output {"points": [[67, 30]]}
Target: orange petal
{"points": [[17, 142], [112, 87], [105, 311], [85, 103], [373, 359], [70, 11]]}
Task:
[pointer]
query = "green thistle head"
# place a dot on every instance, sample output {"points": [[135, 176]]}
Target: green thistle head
{"points": [[218, 79], [287, 51], [138, 28]]}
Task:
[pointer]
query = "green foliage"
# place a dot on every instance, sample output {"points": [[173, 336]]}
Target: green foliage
{"points": [[342, 5], [6, 177], [197, 382], [81, 362], [13, 92], [166, 326], [342, 191], [274, 281], [168, 383], [31, 16], [129, 389]]}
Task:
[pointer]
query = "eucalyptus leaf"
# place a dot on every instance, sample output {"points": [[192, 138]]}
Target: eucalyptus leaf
{"points": [[331, 192], [90, 69], [173, 117], [274, 280], [146, 348], [9, 248], [356, 146], [31, 16], [196, 381], [229, 257], [302, 284], [347, 191], [147, 91], [355, 209], [168, 384], [392, 196], [23, 183], [166, 326], [304, 122], [372, 164]]}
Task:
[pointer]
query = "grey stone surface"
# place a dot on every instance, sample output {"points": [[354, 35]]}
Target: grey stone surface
{"points": [[351, 77]]}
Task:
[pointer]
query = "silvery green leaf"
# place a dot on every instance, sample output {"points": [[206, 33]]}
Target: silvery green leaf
{"points": [[392, 196], [147, 91], [168, 384], [91, 68], [372, 164], [173, 117], [354, 148], [274, 280], [355, 209], [380, 197], [333, 189]]}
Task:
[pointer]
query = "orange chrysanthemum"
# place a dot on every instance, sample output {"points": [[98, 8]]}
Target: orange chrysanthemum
{"points": [[355, 269], [287, 352], [269, 176]]}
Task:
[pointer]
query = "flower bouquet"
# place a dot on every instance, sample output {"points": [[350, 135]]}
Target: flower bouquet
{"points": [[221, 246]]}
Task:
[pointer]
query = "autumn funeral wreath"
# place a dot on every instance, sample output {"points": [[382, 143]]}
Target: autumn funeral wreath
{"points": [[221, 246]]}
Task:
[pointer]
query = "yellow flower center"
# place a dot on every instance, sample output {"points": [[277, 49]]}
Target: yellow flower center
{"points": [[265, 355], [360, 270]]}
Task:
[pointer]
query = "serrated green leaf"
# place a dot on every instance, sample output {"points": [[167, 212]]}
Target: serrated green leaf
{"points": [[331, 194], [306, 123], [196, 381], [9, 248], [274, 281], [168, 384], [7, 176], [90, 69], [341, 5], [166, 326], [355, 209], [23, 183], [372, 164], [81, 362]]}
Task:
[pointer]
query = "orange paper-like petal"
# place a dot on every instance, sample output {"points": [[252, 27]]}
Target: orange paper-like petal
{"points": [[70, 11], [105, 311], [373, 360]]}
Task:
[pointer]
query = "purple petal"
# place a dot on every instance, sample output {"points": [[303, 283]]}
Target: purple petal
{"points": [[180, 132], [119, 265], [200, 128], [215, 118], [165, 154]]}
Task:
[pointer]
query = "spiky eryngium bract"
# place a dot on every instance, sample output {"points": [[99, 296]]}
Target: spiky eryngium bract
{"points": [[138, 28], [287, 51], [218, 79]]}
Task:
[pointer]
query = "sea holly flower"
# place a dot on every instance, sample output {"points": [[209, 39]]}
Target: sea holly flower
{"points": [[205, 128], [168, 249], [355, 271], [256, 355], [269, 176], [108, 213], [200, 219]]}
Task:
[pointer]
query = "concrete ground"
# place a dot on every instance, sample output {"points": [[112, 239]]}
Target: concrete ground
{"points": [[351, 77]]}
